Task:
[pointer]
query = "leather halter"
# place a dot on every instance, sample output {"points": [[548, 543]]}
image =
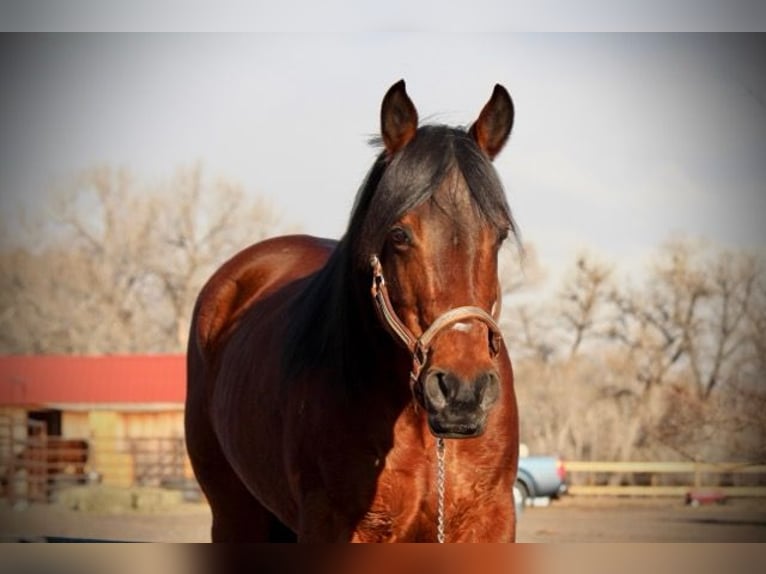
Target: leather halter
{"points": [[419, 347]]}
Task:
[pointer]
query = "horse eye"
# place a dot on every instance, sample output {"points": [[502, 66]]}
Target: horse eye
{"points": [[400, 237]]}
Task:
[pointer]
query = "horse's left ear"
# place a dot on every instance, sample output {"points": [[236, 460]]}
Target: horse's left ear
{"points": [[493, 127], [398, 118]]}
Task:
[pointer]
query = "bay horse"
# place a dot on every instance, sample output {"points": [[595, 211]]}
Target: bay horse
{"points": [[326, 379]]}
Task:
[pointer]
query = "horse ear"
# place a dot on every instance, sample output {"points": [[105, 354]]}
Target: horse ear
{"points": [[493, 127], [398, 118]]}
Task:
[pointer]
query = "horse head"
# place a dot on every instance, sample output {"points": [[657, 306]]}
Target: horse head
{"points": [[441, 217]]}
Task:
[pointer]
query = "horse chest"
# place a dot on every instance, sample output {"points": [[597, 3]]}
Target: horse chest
{"points": [[402, 508], [405, 510]]}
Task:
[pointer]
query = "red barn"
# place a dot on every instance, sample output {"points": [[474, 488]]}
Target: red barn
{"points": [[128, 408]]}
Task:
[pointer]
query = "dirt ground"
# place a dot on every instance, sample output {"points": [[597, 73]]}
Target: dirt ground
{"points": [[567, 520], [573, 519]]}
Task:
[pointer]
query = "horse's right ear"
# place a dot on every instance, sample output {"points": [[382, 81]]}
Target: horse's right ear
{"points": [[398, 118]]}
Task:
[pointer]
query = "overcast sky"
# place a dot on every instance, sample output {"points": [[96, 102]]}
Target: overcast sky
{"points": [[620, 141]]}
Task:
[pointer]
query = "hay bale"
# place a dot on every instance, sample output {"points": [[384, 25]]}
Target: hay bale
{"points": [[153, 499], [115, 500], [99, 498]]}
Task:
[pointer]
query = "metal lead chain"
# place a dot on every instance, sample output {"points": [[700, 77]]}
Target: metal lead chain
{"points": [[440, 481]]}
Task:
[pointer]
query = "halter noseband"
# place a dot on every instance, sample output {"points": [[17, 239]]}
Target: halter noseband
{"points": [[419, 347]]}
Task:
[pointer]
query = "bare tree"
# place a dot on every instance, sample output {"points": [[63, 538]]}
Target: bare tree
{"points": [[557, 381], [755, 326], [209, 224], [520, 275], [528, 328], [674, 365], [691, 315], [684, 330], [715, 355], [124, 263], [583, 299]]}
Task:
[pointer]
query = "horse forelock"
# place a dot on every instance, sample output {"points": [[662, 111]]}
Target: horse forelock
{"points": [[398, 184]]}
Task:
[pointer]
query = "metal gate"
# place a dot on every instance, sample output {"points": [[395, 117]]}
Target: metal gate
{"points": [[34, 466]]}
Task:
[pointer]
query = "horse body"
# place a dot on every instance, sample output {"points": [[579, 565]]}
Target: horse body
{"points": [[301, 418]]}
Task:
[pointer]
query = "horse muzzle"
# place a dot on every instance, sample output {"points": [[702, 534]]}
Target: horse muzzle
{"points": [[458, 408]]}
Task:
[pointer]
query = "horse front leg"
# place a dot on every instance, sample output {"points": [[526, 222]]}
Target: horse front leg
{"points": [[321, 520]]}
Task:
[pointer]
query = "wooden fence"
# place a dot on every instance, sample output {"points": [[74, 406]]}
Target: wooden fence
{"points": [[597, 478], [36, 468]]}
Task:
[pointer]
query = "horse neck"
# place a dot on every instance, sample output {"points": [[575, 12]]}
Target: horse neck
{"points": [[373, 358]]}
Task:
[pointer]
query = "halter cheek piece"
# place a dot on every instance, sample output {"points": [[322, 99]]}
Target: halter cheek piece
{"points": [[419, 347]]}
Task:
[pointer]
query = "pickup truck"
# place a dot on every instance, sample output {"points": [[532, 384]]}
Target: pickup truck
{"points": [[539, 476]]}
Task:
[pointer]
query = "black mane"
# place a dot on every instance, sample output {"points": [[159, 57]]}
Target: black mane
{"points": [[412, 176], [327, 323]]}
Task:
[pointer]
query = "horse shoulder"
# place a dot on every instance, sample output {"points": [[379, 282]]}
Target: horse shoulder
{"points": [[250, 275]]}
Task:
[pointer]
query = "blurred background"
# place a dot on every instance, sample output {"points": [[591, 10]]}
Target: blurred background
{"points": [[132, 165]]}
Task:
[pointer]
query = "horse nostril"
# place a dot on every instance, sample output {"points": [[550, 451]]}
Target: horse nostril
{"points": [[441, 379], [443, 389], [439, 389], [488, 388]]}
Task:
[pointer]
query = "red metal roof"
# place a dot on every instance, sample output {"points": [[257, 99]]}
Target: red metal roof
{"points": [[34, 380]]}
